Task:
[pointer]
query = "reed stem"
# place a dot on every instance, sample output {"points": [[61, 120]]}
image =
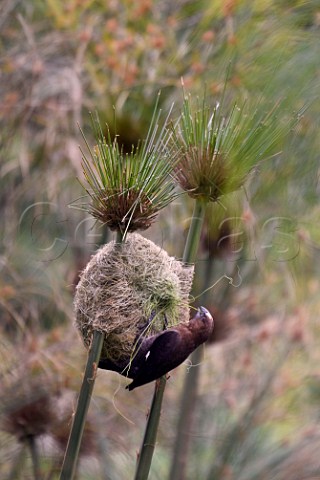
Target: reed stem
{"points": [[34, 457], [190, 388], [72, 452], [193, 238], [150, 436]]}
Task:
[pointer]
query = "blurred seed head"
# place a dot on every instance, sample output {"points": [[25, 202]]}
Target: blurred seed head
{"points": [[61, 428], [224, 233], [27, 407]]}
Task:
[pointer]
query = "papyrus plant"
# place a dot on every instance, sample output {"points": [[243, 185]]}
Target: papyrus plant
{"points": [[215, 150], [125, 192]]}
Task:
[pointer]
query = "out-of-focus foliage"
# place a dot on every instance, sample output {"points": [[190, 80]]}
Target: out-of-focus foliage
{"points": [[58, 61]]}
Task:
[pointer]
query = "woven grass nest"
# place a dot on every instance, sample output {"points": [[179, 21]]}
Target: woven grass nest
{"points": [[126, 284]]}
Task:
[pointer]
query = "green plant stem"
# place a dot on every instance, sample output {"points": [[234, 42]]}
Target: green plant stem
{"points": [[34, 457], [190, 388], [119, 237], [72, 452], [193, 238], [187, 404], [149, 440], [73, 447], [148, 444]]}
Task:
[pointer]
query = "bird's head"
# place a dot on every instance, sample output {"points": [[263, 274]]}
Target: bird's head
{"points": [[205, 315], [202, 320]]}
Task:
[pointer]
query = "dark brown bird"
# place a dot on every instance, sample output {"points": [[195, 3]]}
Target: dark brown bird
{"points": [[159, 354]]}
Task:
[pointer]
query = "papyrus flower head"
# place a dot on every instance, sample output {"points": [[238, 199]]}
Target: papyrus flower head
{"points": [[215, 152], [127, 190]]}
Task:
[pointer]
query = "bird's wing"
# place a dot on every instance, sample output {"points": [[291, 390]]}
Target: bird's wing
{"points": [[129, 366], [122, 367], [159, 359]]}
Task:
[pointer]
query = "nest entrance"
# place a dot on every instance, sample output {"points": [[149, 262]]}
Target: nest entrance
{"points": [[123, 286]]}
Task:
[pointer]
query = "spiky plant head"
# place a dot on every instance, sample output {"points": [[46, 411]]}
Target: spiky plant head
{"points": [[27, 408], [214, 153], [127, 190]]}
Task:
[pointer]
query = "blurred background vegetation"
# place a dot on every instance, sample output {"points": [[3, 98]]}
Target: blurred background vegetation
{"points": [[257, 411]]}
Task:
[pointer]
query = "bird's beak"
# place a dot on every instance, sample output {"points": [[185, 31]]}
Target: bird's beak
{"points": [[204, 314], [204, 311]]}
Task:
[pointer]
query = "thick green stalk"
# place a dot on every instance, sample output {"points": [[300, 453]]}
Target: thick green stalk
{"points": [[190, 388], [193, 238], [187, 404], [149, 440], [34, 457], [119, 237], [71, 456], [73, 447]]}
